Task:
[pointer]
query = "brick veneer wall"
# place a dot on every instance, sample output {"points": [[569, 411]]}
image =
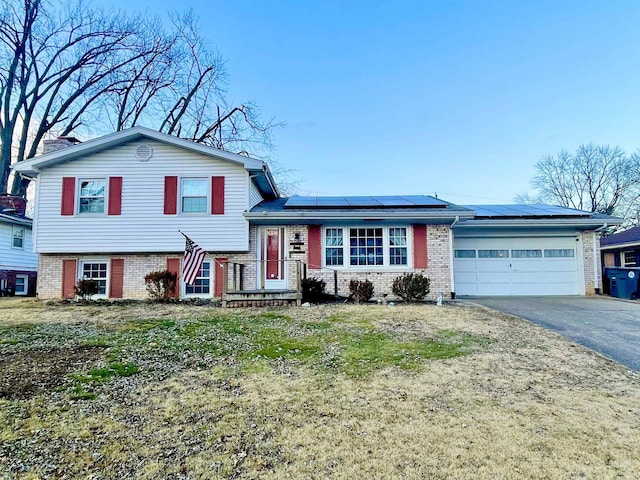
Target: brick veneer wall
{"points": [[438, 266], [591, 254], [136, 266]]}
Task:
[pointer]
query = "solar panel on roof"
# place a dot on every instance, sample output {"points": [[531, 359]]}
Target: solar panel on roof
{"points": [[298, 201], [332, 202], [362, 201], [525, 210]]}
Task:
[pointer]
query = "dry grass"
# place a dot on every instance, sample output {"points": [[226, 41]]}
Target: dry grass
{"points": [[525, 404]]}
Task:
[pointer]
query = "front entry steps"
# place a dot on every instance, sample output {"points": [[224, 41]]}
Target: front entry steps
{"points": [[261, 298]]}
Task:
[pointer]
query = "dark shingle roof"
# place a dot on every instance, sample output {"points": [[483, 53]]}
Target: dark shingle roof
{"points": [[628, 236]]}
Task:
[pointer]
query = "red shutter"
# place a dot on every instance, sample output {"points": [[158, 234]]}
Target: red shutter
{"points": [[115, 196], [68, 278], [218, 276], [170, 195], [173, 265], [419, 246], [116, 282], [68, 196], [217, 195], [315, 247]]}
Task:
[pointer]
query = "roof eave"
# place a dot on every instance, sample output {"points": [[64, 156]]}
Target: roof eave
{"points": [[615, 246], [556, 222], [376, 215]]}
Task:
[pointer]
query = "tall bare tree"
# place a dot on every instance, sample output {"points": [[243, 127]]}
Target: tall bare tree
{"points": [[67, 66], [595, 178]]}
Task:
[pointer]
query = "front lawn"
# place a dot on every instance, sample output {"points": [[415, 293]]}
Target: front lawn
{"points": [[327, 392]]}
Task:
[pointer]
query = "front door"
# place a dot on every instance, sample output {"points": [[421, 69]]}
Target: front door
{"points": [[272, 267]]}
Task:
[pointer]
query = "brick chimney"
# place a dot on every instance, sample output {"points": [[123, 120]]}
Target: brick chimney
{"points": [[53, 144], [12, 205]]}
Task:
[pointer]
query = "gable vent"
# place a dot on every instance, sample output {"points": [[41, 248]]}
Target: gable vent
{"points": [[144, 152]]}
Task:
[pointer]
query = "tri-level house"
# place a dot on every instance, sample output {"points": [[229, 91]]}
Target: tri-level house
{"points": [[18, 262], [112, 209]]}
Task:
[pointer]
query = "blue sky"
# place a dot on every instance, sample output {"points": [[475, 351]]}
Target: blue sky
{"points": [[418, 97]]}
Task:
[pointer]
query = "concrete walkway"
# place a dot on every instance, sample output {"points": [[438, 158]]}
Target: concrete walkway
{"points": [[609, 326]]}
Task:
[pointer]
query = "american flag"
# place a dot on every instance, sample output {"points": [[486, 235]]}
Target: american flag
{"points": [[193, 258]]}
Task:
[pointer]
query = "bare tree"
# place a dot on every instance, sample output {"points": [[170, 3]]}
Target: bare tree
{"points": [[69, 66], [595, 178]]}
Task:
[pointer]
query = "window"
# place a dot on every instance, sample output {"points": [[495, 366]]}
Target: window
{"points": [[526, 253], [493, 253], [559, 253], [195, 195], [629, 259], [92, 196], [366, 246], [334, 252], [22, 285], [202, 285], [18, 237], [398, 246], [96, 271], [464, 254]]}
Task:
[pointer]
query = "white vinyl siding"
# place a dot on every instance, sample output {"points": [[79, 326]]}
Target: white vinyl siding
{"points": [[16, 258], [254, 195], [517, 266], [142, 226]]}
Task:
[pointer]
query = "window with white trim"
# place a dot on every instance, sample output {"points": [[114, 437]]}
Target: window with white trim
{"points": [[398, 246], [17, 239], [366, 247], [91, 195], [194, 195], [95, 270], [334, 243], [559, 253], [202, 285], [22, 285], [629, 259], [464, 254]]}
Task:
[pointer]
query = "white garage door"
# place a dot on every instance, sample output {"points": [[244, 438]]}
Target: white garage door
{"points": [[517, 266]]}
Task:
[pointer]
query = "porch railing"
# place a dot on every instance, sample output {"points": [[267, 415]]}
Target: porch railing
{"points": [[234, 274]]}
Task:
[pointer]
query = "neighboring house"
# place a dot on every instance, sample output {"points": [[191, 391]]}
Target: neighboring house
{"points": [[621, 249], [18, 262], [111, 209]]}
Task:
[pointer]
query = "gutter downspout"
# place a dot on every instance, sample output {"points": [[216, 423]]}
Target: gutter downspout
{"points": [[452, 276], [596, 261]]}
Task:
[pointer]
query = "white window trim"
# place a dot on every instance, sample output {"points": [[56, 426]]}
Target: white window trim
{"points": [[106, 195], [13, 236], [346, 254], [623, 260], [183, 285], [108, 279], [26, 285], [207, 181]]}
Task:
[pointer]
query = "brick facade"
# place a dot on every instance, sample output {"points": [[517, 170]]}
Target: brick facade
{"points": [[49, 284], [591, 254]]}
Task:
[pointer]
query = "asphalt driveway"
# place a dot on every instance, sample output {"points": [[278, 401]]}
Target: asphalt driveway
{"points": [[610, 327]]}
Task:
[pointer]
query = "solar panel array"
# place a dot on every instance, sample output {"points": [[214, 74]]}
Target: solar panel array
{"points": [[526, 210], [407, 201]]}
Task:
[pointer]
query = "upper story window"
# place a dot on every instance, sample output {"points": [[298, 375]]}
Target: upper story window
{"points": [[194, 195], [92, 195], [17, 240], [630, 259], [366, 247]]}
